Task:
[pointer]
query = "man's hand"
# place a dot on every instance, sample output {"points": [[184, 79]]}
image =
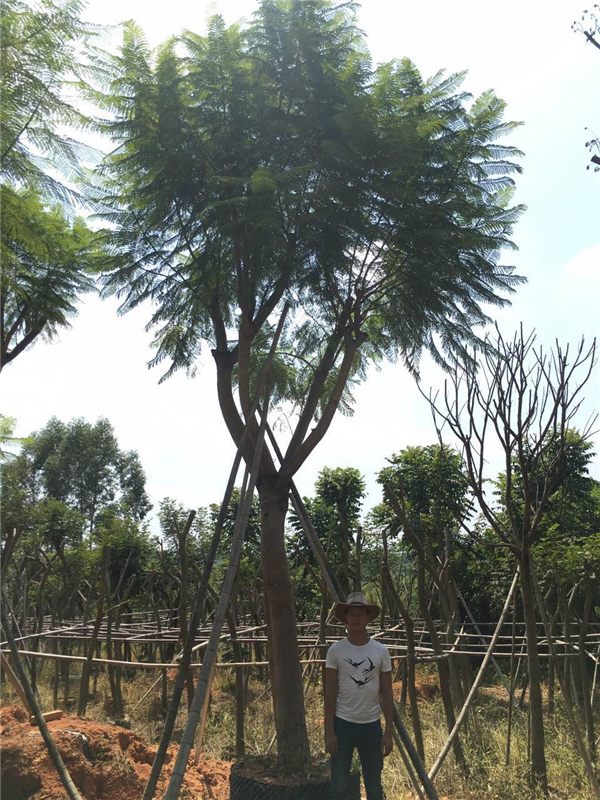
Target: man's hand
{"points": [[331, 743], [387, 743]]}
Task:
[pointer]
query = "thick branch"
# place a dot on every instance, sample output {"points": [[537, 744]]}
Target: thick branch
{"points": [[316, 389], [294, 458], [6, 357]]}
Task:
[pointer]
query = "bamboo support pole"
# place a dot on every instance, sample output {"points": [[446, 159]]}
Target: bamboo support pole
{"points": [[589, 766], [21, 675], [204, 679], [403, 741], [15, 683], [473, 691], [210, 674], [153, 665], [595, 676], [397, 640], [87, 666], [408, 766], [512, 682], [497, 669]]}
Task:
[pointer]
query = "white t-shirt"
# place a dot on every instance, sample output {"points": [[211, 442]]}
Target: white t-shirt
{"points": [[358, 669]]}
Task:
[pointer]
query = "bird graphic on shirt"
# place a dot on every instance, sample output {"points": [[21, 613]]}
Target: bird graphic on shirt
{"points": [[355, 664], [368, 669], [362, 683]]}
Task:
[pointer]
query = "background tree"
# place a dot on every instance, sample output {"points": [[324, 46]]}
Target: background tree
{"points": [[47, 259], [7, 438], [47, 262], [81, 466], [566, 553], [273, 164], [335, 511], [428, 494], [341, 491], [526, 400], [70, 493]]}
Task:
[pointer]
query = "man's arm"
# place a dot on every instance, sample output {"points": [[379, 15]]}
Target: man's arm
{"points": [[387, 699], [331, 687]]}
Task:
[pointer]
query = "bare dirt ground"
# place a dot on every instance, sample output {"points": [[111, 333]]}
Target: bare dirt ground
{"points": [[105, 761], [427, 688]]}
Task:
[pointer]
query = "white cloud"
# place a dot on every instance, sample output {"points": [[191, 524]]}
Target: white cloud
{"points": [[584, 266]]}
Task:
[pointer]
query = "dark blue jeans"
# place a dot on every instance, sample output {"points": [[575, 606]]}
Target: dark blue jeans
{"points": [[367, 739]]}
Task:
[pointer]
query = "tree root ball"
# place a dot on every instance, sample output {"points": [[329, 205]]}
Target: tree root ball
{"points": [[258, 778]]}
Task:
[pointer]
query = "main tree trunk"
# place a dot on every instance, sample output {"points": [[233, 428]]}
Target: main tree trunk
{"points": [[538, 753], [286, 675]]}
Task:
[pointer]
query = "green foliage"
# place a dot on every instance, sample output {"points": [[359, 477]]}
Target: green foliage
{"points": [[47, 261], [335, 512], [55, 525], [435, 489], [81, 467], [566, 550], [272, 162], [249, 568], [131, 548], [483, 571], [342, 489], [70, 491], [40, 50], [7, 439], [172, 517], [563, 466]]}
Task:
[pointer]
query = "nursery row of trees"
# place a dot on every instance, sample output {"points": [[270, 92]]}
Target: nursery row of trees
{"points": [[415, 551], [71, 490]]}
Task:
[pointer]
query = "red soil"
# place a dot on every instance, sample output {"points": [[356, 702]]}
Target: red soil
{"points": [[427, 688], [105, 761]]}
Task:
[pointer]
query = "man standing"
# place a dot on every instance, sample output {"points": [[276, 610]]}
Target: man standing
{"points": [[358, 670]]}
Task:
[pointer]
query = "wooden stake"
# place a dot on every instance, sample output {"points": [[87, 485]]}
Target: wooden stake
{"points": [[15, 683], [63, 772], [471, 696], [589, 767], [84, 686], [204, 679], [512, 680]]}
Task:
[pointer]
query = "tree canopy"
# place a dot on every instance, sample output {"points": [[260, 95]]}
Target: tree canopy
{"points": [[68, 473], [269, 163], [48, 258], [47, 262], [40, 50]]}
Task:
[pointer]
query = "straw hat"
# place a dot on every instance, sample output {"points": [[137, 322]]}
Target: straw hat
{"points": [[355, 599]]}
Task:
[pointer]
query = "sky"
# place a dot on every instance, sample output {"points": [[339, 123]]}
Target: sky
{"points": [[550, 80]]}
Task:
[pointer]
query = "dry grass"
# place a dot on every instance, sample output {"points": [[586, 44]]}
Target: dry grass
{"points": [[484, 739]]}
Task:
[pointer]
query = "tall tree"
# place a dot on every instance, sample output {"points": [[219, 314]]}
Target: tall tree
{"points": [[427, 488], [81, 466], [47, 259], [513, 392], [341, 491], [273, 164], [39, 52]]}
